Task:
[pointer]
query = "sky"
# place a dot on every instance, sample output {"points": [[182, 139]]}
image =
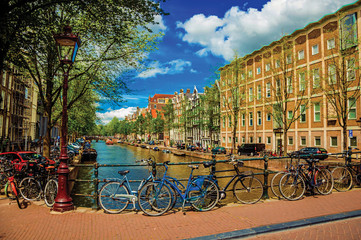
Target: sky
{"points": [[200, 36]]}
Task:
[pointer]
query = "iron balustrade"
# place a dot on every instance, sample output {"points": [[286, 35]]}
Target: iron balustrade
{"points": [[265, 171]]}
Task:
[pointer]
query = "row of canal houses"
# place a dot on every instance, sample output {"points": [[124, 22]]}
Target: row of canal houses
{"points": [[287, 94]]}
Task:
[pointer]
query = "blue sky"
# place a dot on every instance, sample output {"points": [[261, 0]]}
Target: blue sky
{"points": [[202, 35]]}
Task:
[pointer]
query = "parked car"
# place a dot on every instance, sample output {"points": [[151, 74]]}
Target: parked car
{"points": [[23, 157], [319, 153], [181, 146], [218, 150], [251, 149], [191, 147]]}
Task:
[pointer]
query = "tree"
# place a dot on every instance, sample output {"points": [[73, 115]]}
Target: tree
{"points": [[286, 101], [232, 94], [210, 106], [342, 81], [114, 41], [169, 116]]}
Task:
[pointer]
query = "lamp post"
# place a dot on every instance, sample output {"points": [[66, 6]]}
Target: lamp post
{"points": [[67, 45]]}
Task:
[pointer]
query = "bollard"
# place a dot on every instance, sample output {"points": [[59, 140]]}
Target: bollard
{"points": [[96, 184], [266, 173]]}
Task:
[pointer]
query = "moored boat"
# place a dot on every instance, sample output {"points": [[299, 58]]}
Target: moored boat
{"points": [[109, 142]]}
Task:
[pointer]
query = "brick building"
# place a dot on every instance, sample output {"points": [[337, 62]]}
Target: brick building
{"points": [[282, 93]]}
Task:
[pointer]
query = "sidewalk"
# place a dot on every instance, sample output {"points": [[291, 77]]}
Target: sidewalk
{"points": [[36, 221]]}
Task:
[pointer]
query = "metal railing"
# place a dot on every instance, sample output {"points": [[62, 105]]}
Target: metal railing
{"points": [[265, 172]]}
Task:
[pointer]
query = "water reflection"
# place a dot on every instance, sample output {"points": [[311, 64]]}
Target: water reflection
{"points": [[125, 154]]}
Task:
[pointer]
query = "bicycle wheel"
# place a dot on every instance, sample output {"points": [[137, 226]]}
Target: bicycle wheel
{"points": [[323, 181], [30, 189], [248, 189], [9, 191], [16, 193], [342, 179], [154, 198], [292, 186], [114, 197], [50, 192], [275, 184], [206, 197]]}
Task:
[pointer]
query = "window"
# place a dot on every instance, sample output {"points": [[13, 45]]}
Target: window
{"points": [[251, 139], [268, 140], [268, 67], [243, 139], [353, 142], [303, 113], [161, 101], [229, 139], [302, 81], [317, 141], [243, 76], [288, 59], [277, 63], [330, 43], [224, 139], [350, 63], [303, 141], [224, 122], [332, 74], [258, 70], [278, 87], [268, 117], [259, 118], [315, 49], [243, 120], [352, 108], [251, 118], [155, 106], [268, 90], [289, 85], [348, 31], [316, 77], [250, 74], [259, 92], [301, 55], [250, 94], [259, 139], [290, 114], [317, 112], [290, 140], [333, 141]]}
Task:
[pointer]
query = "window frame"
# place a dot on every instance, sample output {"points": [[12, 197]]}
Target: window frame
{"points": [[301, 54], [331, 143], [315, 49], [316, 113]]}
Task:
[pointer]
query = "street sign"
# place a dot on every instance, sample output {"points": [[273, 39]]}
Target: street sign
{"points": [[350, 133]]}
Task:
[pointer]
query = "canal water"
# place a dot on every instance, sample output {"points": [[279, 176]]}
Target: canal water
{"points": [[128, 155]]}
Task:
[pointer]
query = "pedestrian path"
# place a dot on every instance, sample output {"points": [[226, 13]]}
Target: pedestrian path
{"points": [[37, 222]]}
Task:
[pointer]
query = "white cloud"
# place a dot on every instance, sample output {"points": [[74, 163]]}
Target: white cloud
{"points": [[172, 67], [247, 31], [159, 26], [119, 113]]}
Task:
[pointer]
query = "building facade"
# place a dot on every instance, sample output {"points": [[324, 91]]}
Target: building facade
{"points": [[290, 92]]}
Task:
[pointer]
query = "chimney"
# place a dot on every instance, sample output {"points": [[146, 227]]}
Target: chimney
{"points": [[181, 91], [188, 90]]}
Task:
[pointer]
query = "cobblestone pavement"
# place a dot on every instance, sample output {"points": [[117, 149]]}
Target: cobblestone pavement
{"points": [[37, 222]]}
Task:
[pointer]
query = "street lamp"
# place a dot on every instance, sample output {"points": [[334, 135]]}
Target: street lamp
{"points": [[67, 45]]}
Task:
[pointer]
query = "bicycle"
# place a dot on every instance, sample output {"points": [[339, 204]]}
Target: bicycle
{"points": [[277, 177], [42, 183], [11, 188], [116, 194], [246, 188], [201, 192], [293, 184], [343, 175]]}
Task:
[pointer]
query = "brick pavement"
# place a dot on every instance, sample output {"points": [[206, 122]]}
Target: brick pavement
{"points": [[36, 221]]}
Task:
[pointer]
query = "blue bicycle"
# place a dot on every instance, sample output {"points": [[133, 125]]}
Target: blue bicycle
{"points": [[201, 192]]}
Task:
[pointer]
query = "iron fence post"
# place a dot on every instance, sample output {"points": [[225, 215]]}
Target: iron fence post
{"points": [[96, 184], [265, 183], [154, 169]]}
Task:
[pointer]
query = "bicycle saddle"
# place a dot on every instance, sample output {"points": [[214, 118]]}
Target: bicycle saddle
{"points": [[123, 172], [193, 166]]}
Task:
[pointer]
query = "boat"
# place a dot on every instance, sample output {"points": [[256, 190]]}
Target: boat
{"points": [[143, 146], [156, 149], [179, 153], [109, 142], [166, 151]]}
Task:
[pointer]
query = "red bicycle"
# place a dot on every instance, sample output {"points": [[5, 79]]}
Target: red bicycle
{"points": [[11, 188]]}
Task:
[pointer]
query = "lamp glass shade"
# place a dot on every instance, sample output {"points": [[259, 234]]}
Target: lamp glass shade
{"points": [[67, 44]]}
